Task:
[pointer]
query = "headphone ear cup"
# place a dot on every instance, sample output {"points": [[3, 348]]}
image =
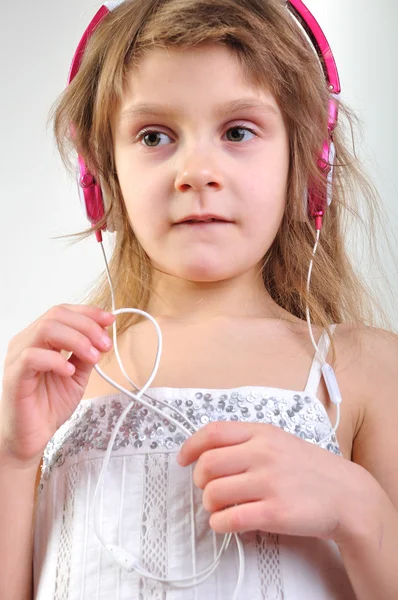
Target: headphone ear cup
{"points": [[320, 197], [90, 194]]}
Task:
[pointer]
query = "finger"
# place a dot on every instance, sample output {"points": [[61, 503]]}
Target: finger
{"points": [[252, 516], [65, 330], [216, 435], [87, 321], [90, 320], [102, 317], [67, 354], [221, 462], [228, 491], [54, 335], [38, 360]]}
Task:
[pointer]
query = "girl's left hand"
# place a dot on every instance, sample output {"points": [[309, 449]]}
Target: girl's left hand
{"points": [[257, 476]]}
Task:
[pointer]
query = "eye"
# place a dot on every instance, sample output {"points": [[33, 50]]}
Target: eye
{"points": [[237, 129], [151, 137]]}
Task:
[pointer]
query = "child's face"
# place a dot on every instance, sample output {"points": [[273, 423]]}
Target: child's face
{"points": [[200, 160]]}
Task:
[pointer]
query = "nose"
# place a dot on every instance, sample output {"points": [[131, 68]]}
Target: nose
{"points": [[198, 171]]}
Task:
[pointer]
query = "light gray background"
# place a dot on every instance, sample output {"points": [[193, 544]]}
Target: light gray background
{"points": [[39, 200]]}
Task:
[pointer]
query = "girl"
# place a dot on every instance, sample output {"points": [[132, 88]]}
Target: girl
{"points": [[204, 121]]}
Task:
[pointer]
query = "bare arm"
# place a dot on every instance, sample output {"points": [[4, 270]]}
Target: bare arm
{"points": [[41, 390], [17, 497], [370, 545]]}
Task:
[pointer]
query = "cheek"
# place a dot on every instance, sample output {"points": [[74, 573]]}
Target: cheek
{"points": [[264, 217], [143, 202], [266, 193]]}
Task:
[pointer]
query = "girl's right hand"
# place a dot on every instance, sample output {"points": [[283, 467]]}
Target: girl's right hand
{"points": [[39, 392]]}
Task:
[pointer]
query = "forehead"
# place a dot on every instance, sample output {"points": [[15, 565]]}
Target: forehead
{"points": [[196, 78]]}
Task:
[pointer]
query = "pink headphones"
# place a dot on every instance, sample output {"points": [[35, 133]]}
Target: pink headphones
{"points": [[90, 191]]}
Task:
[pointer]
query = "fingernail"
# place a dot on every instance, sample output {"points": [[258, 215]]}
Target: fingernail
{"points": [[106, 340], [108, 315], [180, 460]]}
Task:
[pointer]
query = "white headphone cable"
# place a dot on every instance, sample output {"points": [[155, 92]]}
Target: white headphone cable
{"points": [[126, 560], [327, 370]]}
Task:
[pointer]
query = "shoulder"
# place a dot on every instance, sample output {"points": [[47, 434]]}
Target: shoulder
{"points": [[369, 352], [367, 359]]}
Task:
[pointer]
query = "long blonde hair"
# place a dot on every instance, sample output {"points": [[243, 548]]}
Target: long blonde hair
{"points": [[273, 52]]}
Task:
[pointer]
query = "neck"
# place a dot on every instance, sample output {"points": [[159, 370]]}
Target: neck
{"points": [[244, 296]]}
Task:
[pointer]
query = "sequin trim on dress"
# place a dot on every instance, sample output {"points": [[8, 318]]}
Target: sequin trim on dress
{"points": [[93, 422]]}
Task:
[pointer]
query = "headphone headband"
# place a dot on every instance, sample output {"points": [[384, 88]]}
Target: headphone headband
{"points": [[89, 188], [318, 38]]}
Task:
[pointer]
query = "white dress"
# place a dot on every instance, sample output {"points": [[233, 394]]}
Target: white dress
{"points": [[150, 506]]}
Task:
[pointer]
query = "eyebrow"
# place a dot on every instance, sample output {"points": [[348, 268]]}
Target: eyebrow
{"points": [[229, 107]]}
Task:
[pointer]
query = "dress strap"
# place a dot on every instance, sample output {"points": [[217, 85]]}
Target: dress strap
{"points": [[315, 375]]}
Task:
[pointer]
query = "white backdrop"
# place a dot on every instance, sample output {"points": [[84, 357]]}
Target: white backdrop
{"points": [[39, 200]]}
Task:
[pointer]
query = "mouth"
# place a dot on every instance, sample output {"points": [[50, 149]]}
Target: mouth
{"points": [[204, 222], [211, 225]]}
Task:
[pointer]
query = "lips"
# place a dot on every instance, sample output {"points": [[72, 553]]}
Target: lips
{"points": [[207, 221], [198, 219]]}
